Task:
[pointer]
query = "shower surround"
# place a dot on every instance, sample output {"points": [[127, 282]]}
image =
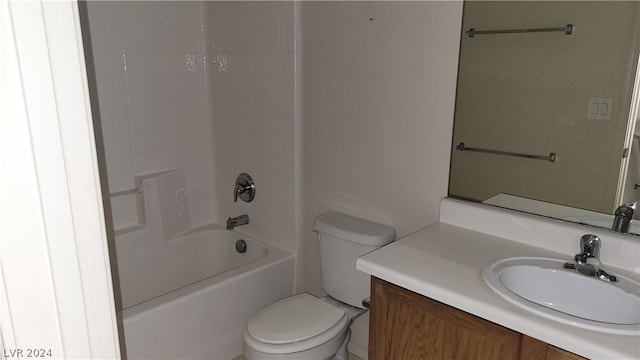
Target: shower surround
{"points": [[206, 87]]}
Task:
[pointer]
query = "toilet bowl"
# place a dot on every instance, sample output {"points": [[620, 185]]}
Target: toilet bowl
{"points": [[300, 327], [307, 327]]}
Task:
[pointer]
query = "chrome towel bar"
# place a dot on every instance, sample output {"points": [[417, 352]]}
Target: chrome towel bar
{"points": [[123, 192], [568, 30], [551, 157]]}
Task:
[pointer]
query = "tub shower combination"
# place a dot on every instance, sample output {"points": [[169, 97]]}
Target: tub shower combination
{"points": [[191, 295]]}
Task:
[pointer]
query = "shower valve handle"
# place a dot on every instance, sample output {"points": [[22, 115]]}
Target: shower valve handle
{"points": [[245, 188]]}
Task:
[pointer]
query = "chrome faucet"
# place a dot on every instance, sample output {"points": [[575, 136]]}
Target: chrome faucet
{"points": [[237, 221], [245, 188], [623, 216], [587, 262]]}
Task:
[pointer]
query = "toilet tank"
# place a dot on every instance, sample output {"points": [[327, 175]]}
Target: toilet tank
{"points": [[343, 239]]}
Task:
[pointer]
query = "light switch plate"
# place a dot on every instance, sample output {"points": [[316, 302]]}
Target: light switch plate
{"points": [[600, 108]]}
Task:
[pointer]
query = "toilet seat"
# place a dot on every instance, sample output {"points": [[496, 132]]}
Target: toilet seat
{"points": [[295, 324]]}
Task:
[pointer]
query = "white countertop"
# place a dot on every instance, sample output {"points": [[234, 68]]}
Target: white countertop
{"points": [[444, 262]]}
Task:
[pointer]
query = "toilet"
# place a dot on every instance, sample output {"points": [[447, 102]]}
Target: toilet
{"points": [[307, 327]]}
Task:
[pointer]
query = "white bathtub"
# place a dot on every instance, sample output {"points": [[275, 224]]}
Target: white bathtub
{"points": [[192, 297]]}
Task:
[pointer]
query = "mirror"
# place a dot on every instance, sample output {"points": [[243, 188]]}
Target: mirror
{"points": [[545, 108]]}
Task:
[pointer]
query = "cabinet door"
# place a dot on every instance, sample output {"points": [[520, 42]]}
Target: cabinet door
{"points": [[534, 349], [406, 325]]}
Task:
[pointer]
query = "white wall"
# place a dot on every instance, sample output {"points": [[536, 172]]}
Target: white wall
{"points": [[378, 98]]}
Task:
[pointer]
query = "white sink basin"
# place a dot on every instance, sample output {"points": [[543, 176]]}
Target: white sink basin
{"points": [[542, 286]]}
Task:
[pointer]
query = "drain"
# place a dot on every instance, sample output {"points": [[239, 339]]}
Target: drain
{"points": [[241, 246]]}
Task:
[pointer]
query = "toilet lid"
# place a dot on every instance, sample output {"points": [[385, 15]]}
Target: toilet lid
{"points": [[294, 319]]}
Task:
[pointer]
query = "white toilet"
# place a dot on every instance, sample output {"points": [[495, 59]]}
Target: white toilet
{"points": [[306, 327]]}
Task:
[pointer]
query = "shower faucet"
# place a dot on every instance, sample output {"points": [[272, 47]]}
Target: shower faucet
{"points": [[245, 188]]}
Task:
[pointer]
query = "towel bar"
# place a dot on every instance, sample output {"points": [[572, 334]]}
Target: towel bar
{"points": [[551, 157]]}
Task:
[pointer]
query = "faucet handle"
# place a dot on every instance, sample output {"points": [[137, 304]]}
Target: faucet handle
{"points": [[590, 245], [239, 190], [245, 188]]}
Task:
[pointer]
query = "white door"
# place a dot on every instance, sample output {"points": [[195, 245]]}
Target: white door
{"points": [[56, 297]]}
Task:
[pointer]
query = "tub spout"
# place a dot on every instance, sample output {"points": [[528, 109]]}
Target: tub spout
{"points": [[237, 221]]}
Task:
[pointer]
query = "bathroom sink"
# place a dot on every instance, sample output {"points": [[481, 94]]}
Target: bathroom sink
{"points": [[542, 286]]}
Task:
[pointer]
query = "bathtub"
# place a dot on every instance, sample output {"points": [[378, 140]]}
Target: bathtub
{"points": [[191, 297]]}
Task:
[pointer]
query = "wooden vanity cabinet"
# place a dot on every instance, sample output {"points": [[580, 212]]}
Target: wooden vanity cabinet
{"points": [[406, 325], [532, 349]]}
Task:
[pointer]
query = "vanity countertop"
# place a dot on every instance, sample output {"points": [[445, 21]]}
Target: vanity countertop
{"points": [[444, 262]]}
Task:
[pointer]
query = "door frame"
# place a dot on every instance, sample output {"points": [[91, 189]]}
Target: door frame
{"points": [[56, 292]]}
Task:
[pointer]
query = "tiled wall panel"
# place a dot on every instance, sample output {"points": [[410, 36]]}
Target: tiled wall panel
{"points": [[251, 46], [151, 77], [206, 87]]}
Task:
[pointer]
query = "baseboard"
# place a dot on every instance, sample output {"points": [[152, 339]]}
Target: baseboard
{"points": [[358, 350]]}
